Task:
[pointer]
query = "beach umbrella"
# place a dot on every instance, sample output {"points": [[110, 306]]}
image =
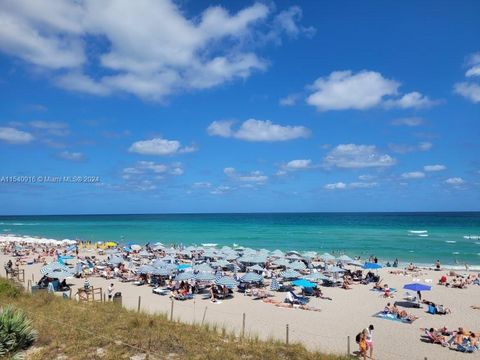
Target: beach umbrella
{"points": [[290, 274], [54, 266], [345, 258], [135, 247], [145, 269], [220, 263], [277, 253], [327, 257], [417, 287], [309, 254], [369, 265], [58, 274], [281, 262], [274, 285], [226, 281], [303, 283], [355, 263], [204, 276], [183, 266], [316, 276], [203, 267], [188, 275], [297, 265], [144, 253], [111, 243], [161, 272], [251, 277], [256, 268], [115, 260], [293, 256], [334, 269]]}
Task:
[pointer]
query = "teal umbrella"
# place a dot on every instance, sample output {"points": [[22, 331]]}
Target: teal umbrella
{"points": [[188, 275], [227, 282], [204, 276], [303, 283], [251, 277], [290, 274]]}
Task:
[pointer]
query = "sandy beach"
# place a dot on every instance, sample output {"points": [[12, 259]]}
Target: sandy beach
{"points": [[327, 330]]}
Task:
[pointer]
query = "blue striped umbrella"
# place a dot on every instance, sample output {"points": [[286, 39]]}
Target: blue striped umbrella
{"points": [[251, 277], [146, 269], [204, 267], [290, 274], [58, 274], [227, 282], [315, 277], [54, 266], [188, 275], [204, 276], [281, 262], [161, 272], [274, 286], [297, 265]]}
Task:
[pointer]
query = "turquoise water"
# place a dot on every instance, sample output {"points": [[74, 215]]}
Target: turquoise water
{"points": [[386, 235]]}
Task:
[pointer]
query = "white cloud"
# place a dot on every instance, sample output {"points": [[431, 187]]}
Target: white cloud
{"points": [[432, 168], [352, 185], [159, 146], [257, 130], [149, 170], [254, 176], [141, 57], [221, 189], [202, 185], [342, 90], [357, 156], [471, 91], [51, 127], [289, 100], [71, 156], [14, 136], [406, 148], [410, 121], [299, 164], [455, 181], [413, 175], [411, 100]]}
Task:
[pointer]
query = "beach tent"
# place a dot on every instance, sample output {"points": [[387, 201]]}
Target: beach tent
{"points": [[251, 277], [417, 287], [374, 266], [226, 281], [303, 283], [290, 274]]}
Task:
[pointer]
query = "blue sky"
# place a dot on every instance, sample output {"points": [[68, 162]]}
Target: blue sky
{"points": [[264, 106]]}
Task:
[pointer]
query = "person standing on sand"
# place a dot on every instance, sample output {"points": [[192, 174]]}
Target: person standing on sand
{"points": [[110, 292], [369, 340]]}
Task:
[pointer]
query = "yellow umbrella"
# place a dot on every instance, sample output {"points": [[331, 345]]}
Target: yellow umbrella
{"points": [[111, 244]]}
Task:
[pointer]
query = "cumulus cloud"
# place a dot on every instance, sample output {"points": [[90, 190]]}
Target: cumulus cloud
{"points": [[71, 156], [413, 175], [257, 130], [469, 89], [456, 181], [342, 90], [352, 185], [160, 147], [252, 177], [433, 168], [357, 156], [294, 165], [289, 100], [141, 57], [13, 136], [409, 121]]}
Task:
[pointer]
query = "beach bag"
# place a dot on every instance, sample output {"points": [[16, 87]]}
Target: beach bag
{"points": [[357, 338]]}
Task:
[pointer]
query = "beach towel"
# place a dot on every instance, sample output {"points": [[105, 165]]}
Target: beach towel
{"points": [[382, 315]]}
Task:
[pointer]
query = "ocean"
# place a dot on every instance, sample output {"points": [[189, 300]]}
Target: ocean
{"points": [[453, 238]]}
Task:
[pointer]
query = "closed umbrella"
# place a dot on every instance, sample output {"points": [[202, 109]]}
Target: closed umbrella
{"points": [[274, 285]]}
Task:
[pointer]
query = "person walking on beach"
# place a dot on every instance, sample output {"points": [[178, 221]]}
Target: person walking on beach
{"points": [[110, 292], [369, 340]]}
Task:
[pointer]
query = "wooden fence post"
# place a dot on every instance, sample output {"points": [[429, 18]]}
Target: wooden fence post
{"points": [[139, 303], [204, 313], [171, 310], [348, 345], [243, 326], [287, 334]]}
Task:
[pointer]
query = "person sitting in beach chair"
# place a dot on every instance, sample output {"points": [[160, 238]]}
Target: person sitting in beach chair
{"points": [[294, 299]]}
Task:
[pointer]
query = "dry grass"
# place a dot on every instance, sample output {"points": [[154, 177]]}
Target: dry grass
{"points": [[78, 330]]}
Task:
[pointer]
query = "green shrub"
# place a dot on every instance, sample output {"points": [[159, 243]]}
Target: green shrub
{"points": [[16, 333], [9, 289]]}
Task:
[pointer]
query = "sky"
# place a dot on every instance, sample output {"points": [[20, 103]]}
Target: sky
{"points": [[209, 106]]}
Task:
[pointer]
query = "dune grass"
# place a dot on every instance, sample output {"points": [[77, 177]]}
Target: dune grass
{"points": [[107, 331]]}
